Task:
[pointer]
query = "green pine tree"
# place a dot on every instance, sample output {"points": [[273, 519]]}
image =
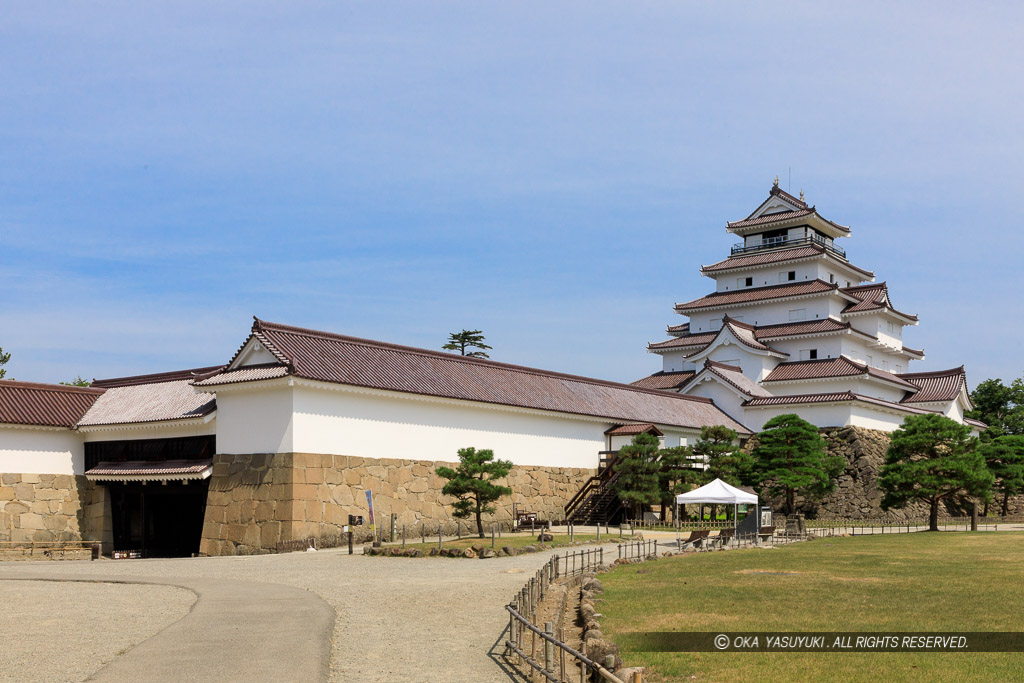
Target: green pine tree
{"points": [[790, 458], [638, 467], [77, 382], [1004, 457], [4, 357], [999, 406], [932, 458], [460, 341], [676, 474], [472, 484]]}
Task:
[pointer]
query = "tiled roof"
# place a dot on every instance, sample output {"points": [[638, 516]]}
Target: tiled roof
{"points": [[742, 296], [340, 359], [871, 298], [975, 423], [835, 397], [171, 397], [664, 380], [735, 377], [915, 352], [154, 378], [631, 430], [782, 216], [941, 385], [781, 330], [698, 339], [249, 373], [831, 367], [744, 333], [772, 257], [151, 471], [678, 330], [44, 405]]}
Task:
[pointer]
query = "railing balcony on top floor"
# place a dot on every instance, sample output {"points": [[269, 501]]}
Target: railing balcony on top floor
{"points": [[788, 243]]}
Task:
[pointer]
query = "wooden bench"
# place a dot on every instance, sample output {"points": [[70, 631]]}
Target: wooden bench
{"points": [[695, 538], [766, 532]]}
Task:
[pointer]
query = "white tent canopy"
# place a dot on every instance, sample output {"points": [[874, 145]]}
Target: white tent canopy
{"points": [[717, 492]]}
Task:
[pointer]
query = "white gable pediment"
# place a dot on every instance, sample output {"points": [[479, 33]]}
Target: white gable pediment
{"points": [[254, 352], [774, 204]]}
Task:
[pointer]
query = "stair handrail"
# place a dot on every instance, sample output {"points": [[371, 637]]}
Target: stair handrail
{"points": [[596, 481]]}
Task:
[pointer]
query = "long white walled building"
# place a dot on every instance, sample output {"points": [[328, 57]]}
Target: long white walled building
{"points": [[793, 327]]}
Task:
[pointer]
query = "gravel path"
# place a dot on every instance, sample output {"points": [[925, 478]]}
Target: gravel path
{"points": [[397, 619], [56, 631]]}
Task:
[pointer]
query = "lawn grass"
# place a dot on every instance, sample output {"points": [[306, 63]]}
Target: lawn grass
{"points": [[910, 582], [514, 540]]}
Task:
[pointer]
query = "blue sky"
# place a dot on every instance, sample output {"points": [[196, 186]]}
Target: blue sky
{"points": [[551, 173]]}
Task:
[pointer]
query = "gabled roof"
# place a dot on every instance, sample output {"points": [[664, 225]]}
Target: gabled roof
{"points": [[744, 334], [799, 209], [678, 330], [827, 368], [44, 405], [872, 297], [766, 258], [701, 339], [731, 375], [763, 334], [744, 296], [664, 380], [633, 430], [939, 386], [150, 398], [339, 359]]}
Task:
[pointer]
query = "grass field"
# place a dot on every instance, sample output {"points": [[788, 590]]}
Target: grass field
{"points": [[911, 582]]}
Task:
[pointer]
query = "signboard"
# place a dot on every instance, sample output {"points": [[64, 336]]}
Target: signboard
{"points": [[766, 516]]}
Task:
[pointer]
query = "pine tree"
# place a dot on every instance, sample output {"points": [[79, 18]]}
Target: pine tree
{"points": [[77, 382], [1004, 457], [723, 458], [999, 406], [790, 457], [472, 483], [932, 458], [4, 357], [638, 466], [460, 341], [676, 473]]}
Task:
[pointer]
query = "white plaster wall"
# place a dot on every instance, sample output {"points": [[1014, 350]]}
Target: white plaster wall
{"points": [[726, 399], [858, 386], [255, 421], [828, 416], [360, 424], [36, 451], [873, 419], [828, 347]]}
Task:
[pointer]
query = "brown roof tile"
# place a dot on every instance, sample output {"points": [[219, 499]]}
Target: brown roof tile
{"points": [[872, 297], [249, 373], [835, 397], [773, 257], [938, 386], [129, 403], [360, 362], [753, 294], [698, 339], [631, 430], [831, 367], [44, 405], [735, 377], [664, 380], [796, 329], [145, 470]]}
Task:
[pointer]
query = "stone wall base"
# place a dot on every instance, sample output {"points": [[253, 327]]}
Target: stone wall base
{"points": [[47, 508], [258, 501]]}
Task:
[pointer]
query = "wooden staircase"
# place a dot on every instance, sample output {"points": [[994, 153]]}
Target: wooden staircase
{"points": [[596, 502]]}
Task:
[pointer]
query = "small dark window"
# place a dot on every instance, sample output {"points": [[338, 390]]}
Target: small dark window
{"points": [[792, 275], [749, 281], [813, 354]]}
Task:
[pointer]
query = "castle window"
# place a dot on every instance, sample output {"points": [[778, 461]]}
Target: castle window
{"points": [[832, 278], [808, 354], [797, 314], [749, 282]]}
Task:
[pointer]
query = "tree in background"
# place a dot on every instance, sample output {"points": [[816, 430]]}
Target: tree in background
{"points": [[723, 457], [472, 483], [932, 458], [676, 474], [1004, 457], [77, 382], [999, 406], [638, 467], [790, 457], [460, 341], [4, 357]]}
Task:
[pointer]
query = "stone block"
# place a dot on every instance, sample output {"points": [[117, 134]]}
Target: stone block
{"points": [[354, 476], [304, 492], [343, 496], [30, 478], [9, 479], [29, 520], [64, 481], [314, 475], [270, 534], [6, 492], [49, 494]]}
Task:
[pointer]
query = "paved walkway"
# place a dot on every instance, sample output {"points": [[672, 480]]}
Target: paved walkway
{"points": [[236, 630], [271, 617]]}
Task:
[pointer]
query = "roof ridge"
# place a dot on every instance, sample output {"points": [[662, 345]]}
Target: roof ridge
{"points": [[154, 378], [934, 373], [708, 363], [463, 359], [62, 388]]}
